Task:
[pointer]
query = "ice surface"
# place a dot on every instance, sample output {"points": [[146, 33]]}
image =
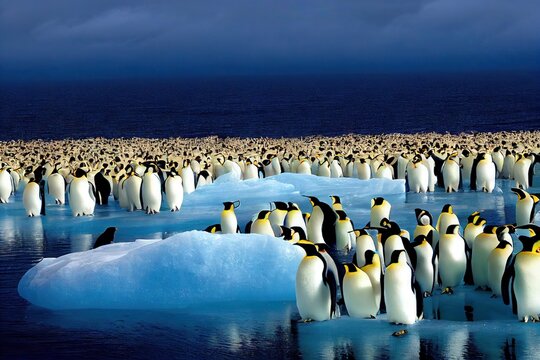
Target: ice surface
{"points": [[185, 269]]}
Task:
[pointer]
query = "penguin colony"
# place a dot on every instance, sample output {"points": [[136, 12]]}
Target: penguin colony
{"points": [[141, 174], [389, 272]]}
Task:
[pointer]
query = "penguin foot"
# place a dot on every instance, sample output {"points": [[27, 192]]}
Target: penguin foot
{"points": [[448, 290], [400, 333], [426, 294]]}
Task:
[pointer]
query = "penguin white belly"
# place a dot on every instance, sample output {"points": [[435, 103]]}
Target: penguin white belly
{"points": [[384, 172], [335, 170], [470, 233], [344, 230], [418, 177], [16, 180], [80, 201], [132, 186], [188, 180], [527, 285], [229, 223], [174, 193], [324, 170], [452, 260], [496, 266], [467, 164], [358, 295], [363, 171], [151, 193], [523, 211], [374, 272], [398, 295], [480, 255], [432, 178], [451, 176], [57, 188], [276, 165], [31, 199], [378, 213], [262, 227], [294, 218], [363, 243], [251, 172], [277, 219], [508, 167], [304, 168], [521, 173], [424, 271], [312, 295], [445, 220], [314, 226], [6, 186], [402, 167], [485, 176], [394, 242], [122, 196]]}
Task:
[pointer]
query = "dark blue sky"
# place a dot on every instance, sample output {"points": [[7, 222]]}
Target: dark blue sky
{"points": [[106, 38]]}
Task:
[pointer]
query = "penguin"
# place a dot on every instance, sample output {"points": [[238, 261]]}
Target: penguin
{"points": [[229, 223], [174, 191], [294, 217], [364, 242], [483, 245], [380, 209], [521, 278], [498, 260], [450, 173], [483, 173], [132, 187], [251, 171], [103, 188], [289, 235], [344, 232], [373, 269], [188, 177], [316, 290], [475, 225], [523, 172], [261, 225], [56, 186], [107, 237], [417, 175], [32, 199], [508, 165], [151, 190], [467, 161], [363, 170], [277, 216], [336, 171], [525, 206], [304, 167], [214, 229], [424, 226], [402, 294], [320, 227], [425, 268], [336, 203], [358, 294], [498, 159], [204, 177], [7, 184], [402, 163], [81, 194], [391, 238], [452, 253], [446, 218]]}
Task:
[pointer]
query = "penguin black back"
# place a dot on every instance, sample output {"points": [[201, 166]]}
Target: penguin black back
{"points": [[105, 238]]}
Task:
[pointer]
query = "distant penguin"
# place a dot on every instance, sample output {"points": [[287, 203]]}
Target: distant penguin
{"points": [[32, 199], [483, 173], [521, 279], [363, 170], [446, 218], [229, 223], [451, 172], [277, 216], [107, 237], [498, 260], [316, 290], [56, 186], [336, 202], [525, 206], [373, 269], [132, 186], [452, 254], [402, 294], [344, 232], [320, 227], [174, 191], [508, 165], [425, 268], [103, 188], [475, 225], [467, 161], [214, 229], [364, 242], [324, 169], [81, 194], [188, 177], [151, 191], [251, 171], [261, 225], [336, 170], [523, 172], [380, 209], [424, 226], [483, 245], [358, 293], [294, 217], [417, 175], [7, 184]]}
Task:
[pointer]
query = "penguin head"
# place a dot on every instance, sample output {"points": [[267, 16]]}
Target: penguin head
{"points": [[308, 246], [80, 173], [447, 208], [423, 217], [231, 205], [292, 206], [263, 215], [490, 229], [360, 232], [479, 221], [530, 243], [370, 257], [503, 244], [452, 229], [286, 233], [280, 205], [322, 247], [313, 200], [522, 194], [398, 256], [377, 201], [301, 233], [473, 216], [335, 199], [342, 216], [350, 268]]}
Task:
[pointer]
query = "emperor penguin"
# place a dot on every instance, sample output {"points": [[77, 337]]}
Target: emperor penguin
{"points": [[402, 163], [151, 190], [417, 175], [475, 225], [294, 217], [424, 226], [106, 238], [508, 165], [446, 218], [277, 216], [229, 223], [373, 269], [450, 172], [320, 227], [525, 206], [452, 254], [81, 194], [467, 161], [103, 188], [335, 169], [498, 260], [203, 178], [7, 184], [498, 159], [391, 238], [188, 177], [483, 173], [336, 202], [344, 232], [483, 245], [358, 293], [425, 268], [324, 169], [380, 209], [251, 172], [56, 186], [402, 294], [316, 289], [174, 191], [132, 187], [363, 170], [261, 225], [523, 172], [32, 199], [364, 242], [521, 278]]}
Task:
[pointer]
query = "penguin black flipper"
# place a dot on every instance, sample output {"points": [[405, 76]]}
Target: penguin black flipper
{"points": [[213, 228], [509, 273], [382, 307], [247, 229], [468, 278], [438, 169], [473, 173], [331, 280], [409, 248], [42, 196], [328, 225], [419, 299], [238, 229], [531, 174]]}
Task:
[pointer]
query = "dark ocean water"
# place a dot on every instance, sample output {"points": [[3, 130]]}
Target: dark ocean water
{"points": [[271, 106]]}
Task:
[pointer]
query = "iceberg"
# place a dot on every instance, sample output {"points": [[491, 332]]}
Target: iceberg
{"points": [[185, 269]]}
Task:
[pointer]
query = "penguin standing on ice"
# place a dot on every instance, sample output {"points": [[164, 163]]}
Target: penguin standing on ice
{"points": [[380, 209], [483, 173], [229, 223], [358, 293], [498, 260], [294, 217], [425, 267], [132, 188], [373, 269], [452, 253], [521, 278], [151, 190], [344, 232], [261, 225], [81, 193], [107, 237], [7, 184], [525, 206], [320, 227], [316, 289], [174, 191], [523, 172], [483, 245], [417, 175], [450, 173], [56, 186], [32, 199]]}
